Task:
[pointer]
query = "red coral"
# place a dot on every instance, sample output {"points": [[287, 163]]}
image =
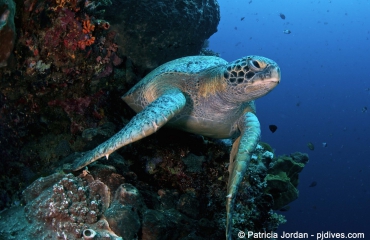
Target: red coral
{"points": [[66, 17], [87, 26], [68, 32]]}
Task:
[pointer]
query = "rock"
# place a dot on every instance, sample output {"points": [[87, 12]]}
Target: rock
{"points": [[189, 205], [122, 216], [127, 194], [151, 33], [38, 186], [123, 220], [154, 225], [193, 163], [169, 224]]}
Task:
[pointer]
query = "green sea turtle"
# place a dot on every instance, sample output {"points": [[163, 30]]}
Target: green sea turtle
{"points": [[204, 95]]}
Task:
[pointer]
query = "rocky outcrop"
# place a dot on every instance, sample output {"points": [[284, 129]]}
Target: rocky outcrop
{"points": [[153, 32]]}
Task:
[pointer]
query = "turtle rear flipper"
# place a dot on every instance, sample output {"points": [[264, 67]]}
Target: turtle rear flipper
{"points": [[145, 123]]}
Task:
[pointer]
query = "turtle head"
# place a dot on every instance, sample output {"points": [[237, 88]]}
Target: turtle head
{"points": [[251, 77]]}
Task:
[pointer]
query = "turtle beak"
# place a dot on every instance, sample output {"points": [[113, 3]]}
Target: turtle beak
{"points": [[261, 86], [275, 73]]}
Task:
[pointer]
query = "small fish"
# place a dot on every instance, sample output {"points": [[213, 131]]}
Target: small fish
{"points": [[250, 2], [285, 208], [273, 128], [324, 144], [313, 184], [310, 146], [287, 31], [364, 109], [242, 19], [282, 16]]}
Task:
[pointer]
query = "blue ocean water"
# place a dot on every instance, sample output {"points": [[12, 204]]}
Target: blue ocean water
{"points": [[323, 98]]}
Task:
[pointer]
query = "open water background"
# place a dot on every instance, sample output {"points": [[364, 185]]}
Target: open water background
{"points": [[322, 98]]}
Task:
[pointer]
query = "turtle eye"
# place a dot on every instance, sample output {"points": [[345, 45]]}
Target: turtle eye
{"points": [[256, 64]]}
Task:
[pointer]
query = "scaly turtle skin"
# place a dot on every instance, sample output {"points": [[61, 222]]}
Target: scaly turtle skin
{"points": [[203, 95]]}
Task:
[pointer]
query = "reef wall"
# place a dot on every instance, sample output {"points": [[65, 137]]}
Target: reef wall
{"points": [[64, 64]]}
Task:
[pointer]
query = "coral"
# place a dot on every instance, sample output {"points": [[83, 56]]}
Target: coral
{"points": [[169, 202], [292, 165], [88, 40], [68, 33], [72, 4], [68, 207], [281, 189], [108, 55], [87, 26], [270, 185], [282, 178], [266, 146]]}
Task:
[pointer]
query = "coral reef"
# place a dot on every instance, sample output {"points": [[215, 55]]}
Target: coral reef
{"points": [[62, 76], [64, 69], [177, 199]]}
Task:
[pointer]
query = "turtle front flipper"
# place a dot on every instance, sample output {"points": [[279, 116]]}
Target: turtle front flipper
{"points": [[240, 156], [146, 122]]}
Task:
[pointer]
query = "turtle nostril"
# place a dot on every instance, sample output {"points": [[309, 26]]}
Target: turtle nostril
{"points": [[256, 64]]}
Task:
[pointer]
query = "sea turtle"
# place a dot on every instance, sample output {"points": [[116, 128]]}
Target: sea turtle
{"points": [[203, 95]]}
